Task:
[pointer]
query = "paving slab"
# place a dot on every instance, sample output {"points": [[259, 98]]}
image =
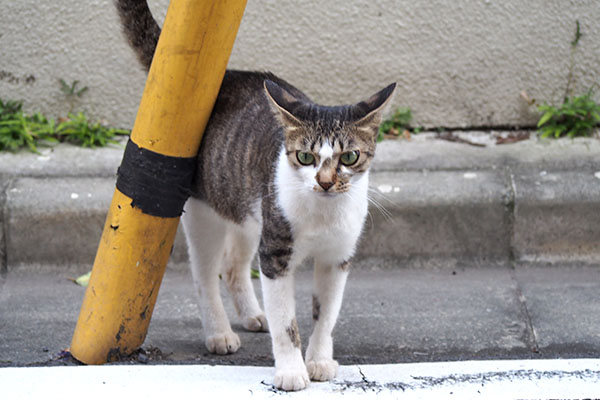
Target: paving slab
{"points": [[55, 219], [64, 160], [58, 221], [557, 216], [423, 215], [427, 152], [563, 304]]}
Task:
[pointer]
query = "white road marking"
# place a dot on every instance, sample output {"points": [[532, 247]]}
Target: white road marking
{"points": [[565, 379]]}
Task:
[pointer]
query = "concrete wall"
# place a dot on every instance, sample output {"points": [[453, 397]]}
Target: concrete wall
{"points": [[458, 63]]}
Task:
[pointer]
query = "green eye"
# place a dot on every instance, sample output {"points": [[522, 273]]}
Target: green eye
{"points": [[349, 158], [305, 158]]}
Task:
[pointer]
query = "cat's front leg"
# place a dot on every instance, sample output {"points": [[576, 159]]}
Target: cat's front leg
{"points": [[329, 283], [277, 266], [278, 293]]}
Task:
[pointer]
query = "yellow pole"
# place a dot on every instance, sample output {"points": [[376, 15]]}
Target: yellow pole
{"points": [[182, 86]]}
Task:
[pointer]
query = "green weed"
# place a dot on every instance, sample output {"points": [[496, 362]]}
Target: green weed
{"points": [[77, 129], [577, 116], [72, 92], [397, 124], [19, 130]]}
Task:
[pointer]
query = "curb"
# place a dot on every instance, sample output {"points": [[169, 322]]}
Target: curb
{"points": [[434, 203]]}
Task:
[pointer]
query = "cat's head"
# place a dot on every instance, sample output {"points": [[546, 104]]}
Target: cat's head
{"points": [[329, 148]]}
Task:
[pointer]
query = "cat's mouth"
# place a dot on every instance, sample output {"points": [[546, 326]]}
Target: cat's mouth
{"points": [[322, 193]]}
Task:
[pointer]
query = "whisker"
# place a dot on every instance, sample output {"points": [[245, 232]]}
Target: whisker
{"points": [[384, 211], [353, 199], [380, 194], [379, 204]]}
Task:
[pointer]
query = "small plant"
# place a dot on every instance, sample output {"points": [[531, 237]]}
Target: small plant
{"points": [[397, 124], [574, 44], [77, 129], [577, 116], [72, 92], [19, 130]]}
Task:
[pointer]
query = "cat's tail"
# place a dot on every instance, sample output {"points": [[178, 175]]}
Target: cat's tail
{"points": [[140, 28]]}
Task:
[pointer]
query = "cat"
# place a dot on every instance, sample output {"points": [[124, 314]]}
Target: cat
{"points": [[282, 176]]}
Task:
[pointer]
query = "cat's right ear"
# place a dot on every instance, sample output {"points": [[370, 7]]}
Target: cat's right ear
{"points": [[282, 103]]}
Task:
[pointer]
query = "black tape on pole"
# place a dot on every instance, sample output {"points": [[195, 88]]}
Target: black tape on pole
{"points": [[159, 185]]}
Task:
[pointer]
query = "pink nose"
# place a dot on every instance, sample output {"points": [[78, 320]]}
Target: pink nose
{"points": [[326, 185]]}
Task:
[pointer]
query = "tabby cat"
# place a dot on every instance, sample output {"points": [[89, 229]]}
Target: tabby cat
{"points": [[283, 176]]}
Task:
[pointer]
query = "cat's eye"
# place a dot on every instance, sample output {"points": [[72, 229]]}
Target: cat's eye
{"points": [[305, 158], [349, 158]]}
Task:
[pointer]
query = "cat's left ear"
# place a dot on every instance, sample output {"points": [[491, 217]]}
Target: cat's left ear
{"points": [[368, 114]]}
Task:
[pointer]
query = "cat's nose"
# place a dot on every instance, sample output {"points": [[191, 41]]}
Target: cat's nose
{"points": [[326, 185], [326, 178]]}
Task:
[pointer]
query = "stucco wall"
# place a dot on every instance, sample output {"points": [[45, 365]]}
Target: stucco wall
{"points": [[458, 63]]}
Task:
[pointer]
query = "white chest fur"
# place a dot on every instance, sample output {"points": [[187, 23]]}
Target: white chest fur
{"points": [[324, 227]]}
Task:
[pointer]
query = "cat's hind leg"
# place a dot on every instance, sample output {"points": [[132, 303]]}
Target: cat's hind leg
{"points": [[205, 232], [329, 283], [242, 243]]}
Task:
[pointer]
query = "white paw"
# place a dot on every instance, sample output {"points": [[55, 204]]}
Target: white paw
{"points": [[223, 343], [256, 324], [291, 380], [322, 370]]}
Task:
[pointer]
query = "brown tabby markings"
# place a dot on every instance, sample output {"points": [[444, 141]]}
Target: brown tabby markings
{"points": [[345, 266], [294, 333], [316, 307], [276, 242]]}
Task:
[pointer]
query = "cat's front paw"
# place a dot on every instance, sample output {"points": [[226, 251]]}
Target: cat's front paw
{"points": [[256, 324], [291, 379], [322, 370], [223, 343]]}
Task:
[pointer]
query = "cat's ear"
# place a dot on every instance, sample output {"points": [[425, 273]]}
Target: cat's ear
{"points": [[283, 103], [367, 114]]}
